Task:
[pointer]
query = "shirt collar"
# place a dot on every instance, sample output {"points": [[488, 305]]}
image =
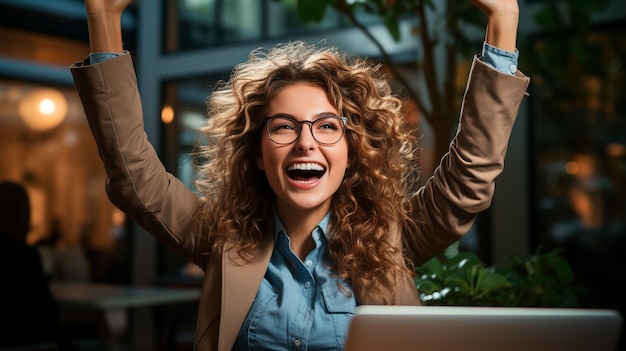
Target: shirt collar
{"points": [[322, 226]]}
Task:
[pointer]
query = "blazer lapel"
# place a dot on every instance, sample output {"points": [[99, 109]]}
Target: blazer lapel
{"points": [[240, 283]]}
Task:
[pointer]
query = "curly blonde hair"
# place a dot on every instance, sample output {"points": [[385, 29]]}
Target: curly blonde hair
{"points": [[374, 198]]}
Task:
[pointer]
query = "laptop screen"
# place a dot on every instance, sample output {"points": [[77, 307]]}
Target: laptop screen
{"points": [[445, 328]]}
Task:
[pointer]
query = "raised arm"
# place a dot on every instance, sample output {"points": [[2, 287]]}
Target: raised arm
{"points": [[502, 21], [104, 22], [464, 182], [137, 182]]}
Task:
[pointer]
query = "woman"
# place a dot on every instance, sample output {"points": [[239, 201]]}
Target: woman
{"points": [[307, 204]]}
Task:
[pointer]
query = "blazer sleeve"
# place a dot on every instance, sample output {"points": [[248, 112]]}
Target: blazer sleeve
{"points": [[464, 182], [137, 181]]}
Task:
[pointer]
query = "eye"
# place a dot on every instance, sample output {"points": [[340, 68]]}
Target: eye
{"points": [[282, 125], [329, 123]]}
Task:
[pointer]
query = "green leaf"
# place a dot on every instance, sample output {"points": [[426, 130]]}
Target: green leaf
{"points": [[432, 267], [589, 6], [487, 281], [560, 268], [311, 11], [392, 26], [458, 284], [549, 17], [464, 261], [427, 286], [429, 4], [452, 250]]}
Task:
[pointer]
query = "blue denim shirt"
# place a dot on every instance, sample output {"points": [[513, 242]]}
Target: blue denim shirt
{"points": [[501, 60], [299, 305]]}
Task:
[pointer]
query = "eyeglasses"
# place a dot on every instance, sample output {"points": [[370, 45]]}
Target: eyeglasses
{"points": [[285, 130]]}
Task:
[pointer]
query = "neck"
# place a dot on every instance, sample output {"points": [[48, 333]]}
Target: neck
{"points": [[299, 224]]}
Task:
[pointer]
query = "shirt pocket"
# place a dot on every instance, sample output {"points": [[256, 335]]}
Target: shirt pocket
{"points": [[265, 298], [337, 301]]}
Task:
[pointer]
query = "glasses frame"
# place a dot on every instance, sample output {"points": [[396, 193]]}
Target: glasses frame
{"points": [[343, 119]]}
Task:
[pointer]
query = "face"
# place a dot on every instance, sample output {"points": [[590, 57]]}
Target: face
{"points": [[285, 165]]}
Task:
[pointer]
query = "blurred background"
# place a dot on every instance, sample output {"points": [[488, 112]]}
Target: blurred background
{"points": [[564, 184]]}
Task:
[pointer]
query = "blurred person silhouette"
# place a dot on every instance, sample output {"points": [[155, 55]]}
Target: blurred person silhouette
{"points": [[28, 311]]}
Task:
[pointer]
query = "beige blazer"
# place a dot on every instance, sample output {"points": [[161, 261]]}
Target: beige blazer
{"points": [[137, 183]]}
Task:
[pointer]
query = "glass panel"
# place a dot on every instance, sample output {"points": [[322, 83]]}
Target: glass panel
{"points": [[193, 24], [240, 20], [182, 115], [579, 108]]}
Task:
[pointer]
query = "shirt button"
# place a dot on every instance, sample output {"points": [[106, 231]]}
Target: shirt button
{"points": [[307, 285], [297, 343], [308, 263], [513, 68]]}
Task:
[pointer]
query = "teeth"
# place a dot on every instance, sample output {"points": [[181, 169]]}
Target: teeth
{"points": [[305, 167]]}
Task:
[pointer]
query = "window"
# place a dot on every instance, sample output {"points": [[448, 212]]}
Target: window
{"points": [[579, 141], [197, 24]]}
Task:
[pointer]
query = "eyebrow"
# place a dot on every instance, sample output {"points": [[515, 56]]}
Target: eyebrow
{"points": [[315, 117]]}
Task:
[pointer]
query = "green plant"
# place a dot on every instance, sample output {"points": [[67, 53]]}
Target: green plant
{"points": [[462, 279]]}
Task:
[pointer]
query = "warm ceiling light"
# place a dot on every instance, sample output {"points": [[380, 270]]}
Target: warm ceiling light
{"points": [[43, 109], [616, 149], [572, 167], [167, 114]]}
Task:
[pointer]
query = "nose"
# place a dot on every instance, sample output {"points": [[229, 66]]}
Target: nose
{"points": [[305, 141]]}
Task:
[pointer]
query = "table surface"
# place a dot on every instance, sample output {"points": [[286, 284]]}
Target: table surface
{"points": [[104, 296]]}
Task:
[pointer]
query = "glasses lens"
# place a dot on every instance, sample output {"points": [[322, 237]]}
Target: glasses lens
{"points": [[283, 130], [327, 130]]}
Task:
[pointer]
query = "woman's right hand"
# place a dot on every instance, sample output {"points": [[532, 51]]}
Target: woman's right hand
{"points": [[104, 21]]}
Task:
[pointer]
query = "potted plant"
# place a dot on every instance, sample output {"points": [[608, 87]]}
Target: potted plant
{"points": [[462, 279]]}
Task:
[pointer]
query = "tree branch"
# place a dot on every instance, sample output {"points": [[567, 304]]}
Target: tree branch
{"points": [[345, 9], [449, 88], [430, 70]]}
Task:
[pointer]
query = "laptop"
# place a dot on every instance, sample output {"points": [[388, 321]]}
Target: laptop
{"points": [[446, 328]]}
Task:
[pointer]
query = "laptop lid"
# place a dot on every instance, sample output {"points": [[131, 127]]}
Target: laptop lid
{"points": [[445, 328]]}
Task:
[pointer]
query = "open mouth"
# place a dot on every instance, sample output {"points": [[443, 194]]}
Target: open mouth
{"points": [[305, 171]]}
